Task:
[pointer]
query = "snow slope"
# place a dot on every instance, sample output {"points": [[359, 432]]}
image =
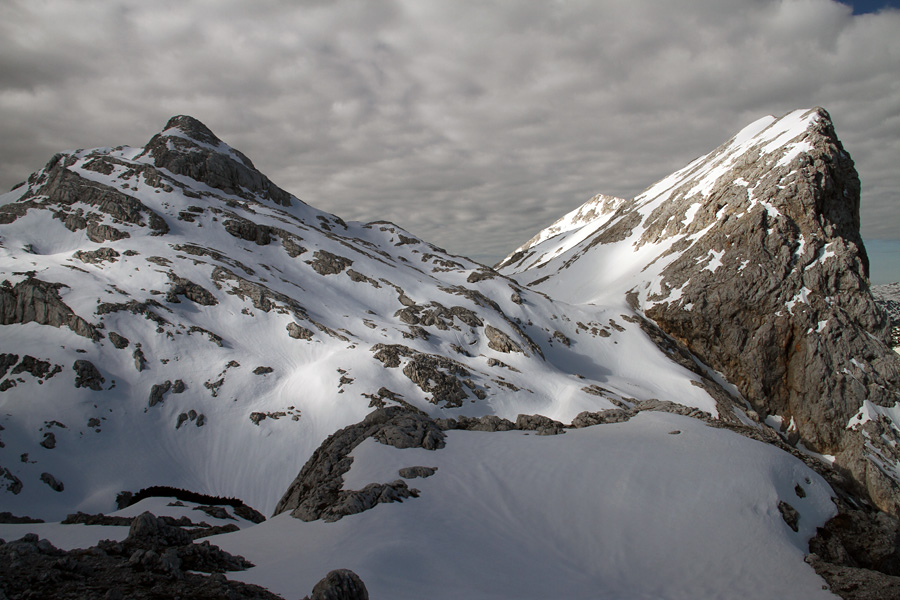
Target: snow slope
{"points": [[630, 259], [626, 511]]}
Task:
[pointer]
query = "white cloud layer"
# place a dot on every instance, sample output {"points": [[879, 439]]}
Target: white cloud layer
{"points": [[471, 124]]}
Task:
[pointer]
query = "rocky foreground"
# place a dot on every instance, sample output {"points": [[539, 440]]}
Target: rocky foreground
{"points": [[158, 559]]}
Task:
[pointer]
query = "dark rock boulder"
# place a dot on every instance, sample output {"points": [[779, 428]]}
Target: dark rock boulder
{"points": [[248, 230], [499, 341], [9, 481], [414, 472], [7, 360], [539, 423], [158, 391], [179, 286], [98, 256], [87, 375], [298, 332], [119, 341], [485, 423], [340, 584], [158, 559], [326, 263], [439, 377], [589, 419], [54, 484]]}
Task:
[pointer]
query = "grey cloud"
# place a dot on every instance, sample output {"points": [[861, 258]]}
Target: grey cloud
{"points": [[471, 124]]}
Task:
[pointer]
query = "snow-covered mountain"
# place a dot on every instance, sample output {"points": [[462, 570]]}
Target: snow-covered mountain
{"points": [[171, 317], [751, 256]]}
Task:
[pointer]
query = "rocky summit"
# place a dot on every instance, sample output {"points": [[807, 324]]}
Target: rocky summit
{"points": [[751, 257], [698, 377]]}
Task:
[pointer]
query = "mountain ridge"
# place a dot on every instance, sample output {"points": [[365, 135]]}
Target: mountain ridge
{"points": [[211, 303], [170, 318], [751, 256]]}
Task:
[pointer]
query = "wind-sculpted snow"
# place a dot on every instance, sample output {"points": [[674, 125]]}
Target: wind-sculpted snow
{"points": [[230, 328], [751, 256]]}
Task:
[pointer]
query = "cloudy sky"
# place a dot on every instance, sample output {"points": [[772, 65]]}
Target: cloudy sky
{"points": [[472, 124]]}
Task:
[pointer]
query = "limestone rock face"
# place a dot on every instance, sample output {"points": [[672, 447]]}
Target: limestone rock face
{"points": [[751, 257]]}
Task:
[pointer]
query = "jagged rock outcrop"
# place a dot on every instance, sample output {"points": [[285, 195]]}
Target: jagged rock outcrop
{"points": [[789, 306], [433, 373], [52, 482], [87, 375], [156, 560], [540, 424], [58, 188], [485, 423], [34, 301], [752, 259], [499, 341], [179, 286], [316, 492]]}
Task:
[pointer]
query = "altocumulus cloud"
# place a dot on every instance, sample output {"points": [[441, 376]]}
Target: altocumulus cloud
{"points": [[471, 124]]}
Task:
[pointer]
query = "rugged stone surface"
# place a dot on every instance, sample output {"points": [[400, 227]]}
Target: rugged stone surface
{"points": [[49, 441], [158, 392], [414, 472], [499, 341], [248, 230], [52, 482], [196, 153], [179, 286], [888, 299], [540, 424], [119, 341], [59, 189], [87, 375], [756, 266], [156, 560], [98, 256], [485, 423], [326, 263], [9, 481], [33, 300], [433, 373], [340, 584], [298, 332], [316, 492], [857, 553], [784, 328]]}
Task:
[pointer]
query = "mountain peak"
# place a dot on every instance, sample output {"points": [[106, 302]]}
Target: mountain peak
{"points": [[188, 147], [751, 256], [193, 129]]}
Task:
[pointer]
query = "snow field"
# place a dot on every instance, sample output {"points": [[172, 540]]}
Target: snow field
{"points": [[625, 510]]}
